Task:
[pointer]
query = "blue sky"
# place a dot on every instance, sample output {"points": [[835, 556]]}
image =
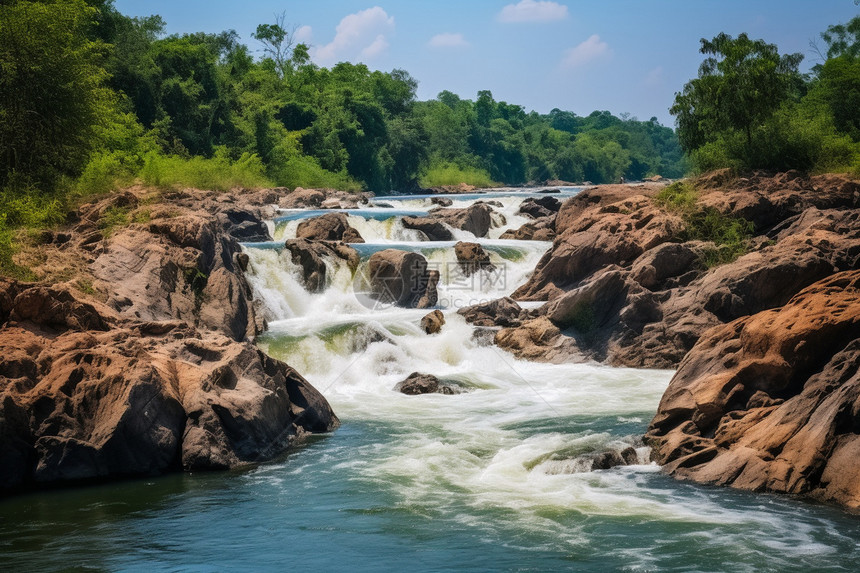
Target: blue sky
{"points": [[620, 55]]}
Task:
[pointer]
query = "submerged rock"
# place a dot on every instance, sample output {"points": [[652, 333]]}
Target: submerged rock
{"points": [[433, 322], [417, 383]]}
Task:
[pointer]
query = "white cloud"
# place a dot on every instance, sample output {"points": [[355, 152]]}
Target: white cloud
{"points": [[533, 11], [588, 51], [359, 35], [448, 40], [379, 45], [303, 35]]}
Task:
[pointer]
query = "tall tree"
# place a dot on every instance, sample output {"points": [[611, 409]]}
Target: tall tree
{"points": [[741, 83], [52, 93]]}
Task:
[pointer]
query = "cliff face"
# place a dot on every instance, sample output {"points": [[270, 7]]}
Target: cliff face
{"points": [[153, 370]]}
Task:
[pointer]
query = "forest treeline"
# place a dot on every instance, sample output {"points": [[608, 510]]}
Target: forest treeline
{"points": [[128, 102], [92, 100]]}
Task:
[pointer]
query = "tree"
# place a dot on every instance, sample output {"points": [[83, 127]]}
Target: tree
{"points": [[741, 84], [52, 93], [278, 44]]}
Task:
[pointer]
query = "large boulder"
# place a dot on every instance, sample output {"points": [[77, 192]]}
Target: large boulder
{"points": [[437, 225], [328, 227], [311, 256], [434, 229], [472, 258], [769, 401], [78, 401], [616, 233], [402, 278], [540, 207]]}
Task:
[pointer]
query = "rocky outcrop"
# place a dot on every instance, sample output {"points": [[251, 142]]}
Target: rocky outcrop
{"points": [[417, 383], [472, 258], [328, 227], [498, 312], [300, 198], [437, 225], [542, 229], [432, 322], [148, 367], [311, 256], [624, 290], [768, 402], [95, 396], [540, 207], [402, 278]]}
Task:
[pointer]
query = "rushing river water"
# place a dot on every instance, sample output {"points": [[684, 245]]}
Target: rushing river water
{"points": [[494, 478]]}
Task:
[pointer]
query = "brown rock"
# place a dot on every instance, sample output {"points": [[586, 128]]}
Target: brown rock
{"points": [[499, 312], [141, 398], [311, 256], [475, 219], [402, 278], [432, 322], [417, 383], [328, 227], [472, 258], [767, 402], [616, 233], [540, 207]]}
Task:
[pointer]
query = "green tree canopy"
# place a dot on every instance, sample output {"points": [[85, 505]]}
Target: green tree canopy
{"points": [[52, 89], [741, 83]]}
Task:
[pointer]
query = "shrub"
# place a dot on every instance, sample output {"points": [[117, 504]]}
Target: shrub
{"points": [[218, 173], [679, 196], [451, 174]]}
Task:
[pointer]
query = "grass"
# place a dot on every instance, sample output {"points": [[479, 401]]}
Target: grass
{"points": [[218, 173], [730, 235], [450, 174]]}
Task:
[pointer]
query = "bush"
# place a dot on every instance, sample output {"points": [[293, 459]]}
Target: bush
{"points": [[218, 173], [730, 235], [451, 174], [679, 196]]}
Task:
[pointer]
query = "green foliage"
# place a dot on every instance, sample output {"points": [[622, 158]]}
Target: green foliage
{"points": [[220, 173], [750, 109], [52, 93], [450, 174], [730, 235], [679, 197]]}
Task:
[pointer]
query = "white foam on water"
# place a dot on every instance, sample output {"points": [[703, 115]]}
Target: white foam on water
{"points": [[519, 436]]}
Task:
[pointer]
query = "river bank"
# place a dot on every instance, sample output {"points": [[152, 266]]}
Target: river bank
{"points": [[621, 288]]}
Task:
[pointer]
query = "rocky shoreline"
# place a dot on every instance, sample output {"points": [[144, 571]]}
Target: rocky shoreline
{"points": [[767, 346], [142, 362], [135, 356]]}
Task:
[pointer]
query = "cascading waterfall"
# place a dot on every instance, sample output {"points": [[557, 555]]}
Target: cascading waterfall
{"points": [[497, 477]]}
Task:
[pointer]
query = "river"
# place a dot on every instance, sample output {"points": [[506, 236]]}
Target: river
{"points": [[496, 477]]}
